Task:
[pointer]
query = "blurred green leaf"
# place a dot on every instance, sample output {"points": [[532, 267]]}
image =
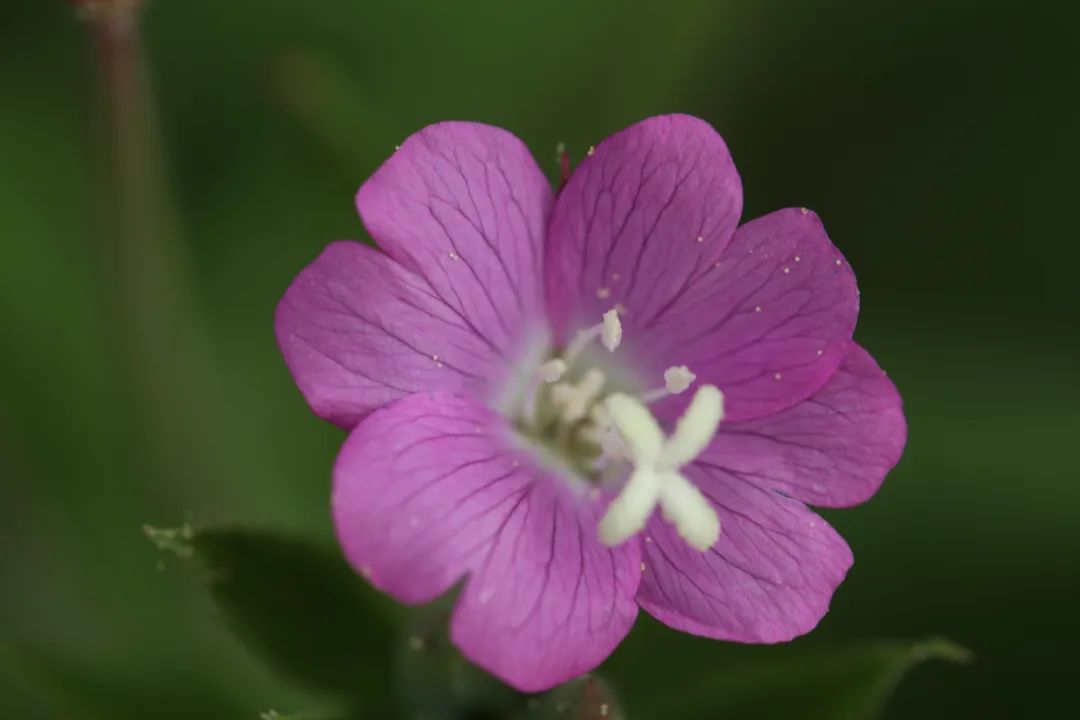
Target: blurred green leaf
{"points": [[435, 682], [809, 682], [275, 715], [299, 607]]}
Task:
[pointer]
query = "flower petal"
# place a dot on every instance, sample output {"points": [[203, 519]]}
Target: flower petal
{"points": [[768, 578], [358, 331], [465, 206], [769, 324], [432, 489], [640, 220], [831, 450]]}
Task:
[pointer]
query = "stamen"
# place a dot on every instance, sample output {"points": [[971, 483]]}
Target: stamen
{"points": [[611, 334], [549, 372], [676, 380], [574, 401], [552, 370]]}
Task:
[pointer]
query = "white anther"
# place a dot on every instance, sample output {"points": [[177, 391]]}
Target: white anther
{"points": [[574, 401], [611, 333], [678, 378], [549, 372], [655, 479], [552, 370]]}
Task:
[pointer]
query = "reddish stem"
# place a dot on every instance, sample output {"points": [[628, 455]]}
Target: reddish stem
{"points": [[564, 169]]}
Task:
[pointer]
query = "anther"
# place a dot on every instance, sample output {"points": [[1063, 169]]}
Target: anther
{"points": [[611, 333], [676, 380], [552, 370], [549, 372], [574, 401]]}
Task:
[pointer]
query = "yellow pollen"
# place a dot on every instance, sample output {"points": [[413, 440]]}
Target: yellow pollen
{"points": [[590, 151]]}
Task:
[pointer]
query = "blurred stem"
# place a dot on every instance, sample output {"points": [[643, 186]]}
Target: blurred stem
{"points": [[165, 365]]}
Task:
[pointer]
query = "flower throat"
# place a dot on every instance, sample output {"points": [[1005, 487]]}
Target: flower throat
{"points": [[575, 410]]}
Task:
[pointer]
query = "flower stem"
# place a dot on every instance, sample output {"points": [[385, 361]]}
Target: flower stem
{"points": [[165, 361]]}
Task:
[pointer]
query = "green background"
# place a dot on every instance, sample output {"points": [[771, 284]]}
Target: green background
{"points": [[141, 383]]}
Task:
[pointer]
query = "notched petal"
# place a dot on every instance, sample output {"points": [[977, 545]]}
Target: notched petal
{"points": [[358, 331], [465, 206], [430, 490], [768, 578], [639, 220], [771, 321], [834, 449]]}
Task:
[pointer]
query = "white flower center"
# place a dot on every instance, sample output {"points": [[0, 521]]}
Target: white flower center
{"points": [[571, 410]]}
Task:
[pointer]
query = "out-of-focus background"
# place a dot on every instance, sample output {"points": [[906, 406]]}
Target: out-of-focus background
{"points": [[140, 381]]}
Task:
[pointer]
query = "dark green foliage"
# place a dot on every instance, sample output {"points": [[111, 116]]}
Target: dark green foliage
{"points": [[300, 608]]}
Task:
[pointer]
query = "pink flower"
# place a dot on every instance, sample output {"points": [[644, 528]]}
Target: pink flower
{"points": [[510, 362]]}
